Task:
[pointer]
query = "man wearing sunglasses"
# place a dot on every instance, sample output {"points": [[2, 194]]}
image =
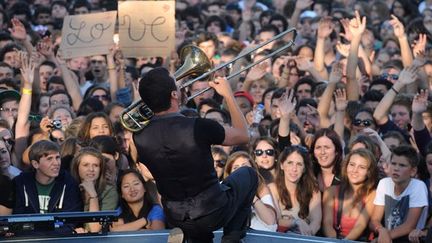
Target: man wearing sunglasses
{"points": [[176, 150]]}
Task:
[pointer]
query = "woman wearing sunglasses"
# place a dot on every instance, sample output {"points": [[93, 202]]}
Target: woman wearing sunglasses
{"points": [[296, 193], [263, 206], [265, 152], [348, 206], [327, 154]]}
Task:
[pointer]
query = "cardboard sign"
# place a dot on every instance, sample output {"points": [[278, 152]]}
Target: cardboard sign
{"points": [[88, 34], [146, 28]]}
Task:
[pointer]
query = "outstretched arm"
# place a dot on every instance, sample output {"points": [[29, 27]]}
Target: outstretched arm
{"points": [[357, 26], [326, 97], [325, 28]]}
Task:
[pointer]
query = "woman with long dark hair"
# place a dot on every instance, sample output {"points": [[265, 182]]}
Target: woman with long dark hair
{"points": [[139, 210], [296, 193]]}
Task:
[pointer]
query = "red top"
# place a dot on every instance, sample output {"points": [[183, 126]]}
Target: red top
{"points": [[346, 223]]}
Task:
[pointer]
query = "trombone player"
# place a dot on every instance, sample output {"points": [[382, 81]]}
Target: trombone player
{"points": [[176, 150]]}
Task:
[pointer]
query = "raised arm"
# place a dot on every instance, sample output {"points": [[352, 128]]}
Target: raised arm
{"points": [[304, 64], [299, 7], [72, 86], [326, 97], [112, 73], [341, 105], [325, 28], [407, 76], [287, 104], [238, 133], [19, 33], [22, 127], [357, 26], [399, 32]]}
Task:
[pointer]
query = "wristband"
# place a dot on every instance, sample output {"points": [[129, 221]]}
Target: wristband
{"points": [[26, 91], [395, 90], [111, 68]]}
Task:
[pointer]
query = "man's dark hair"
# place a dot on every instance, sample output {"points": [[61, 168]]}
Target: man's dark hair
{"points": [[306, 102], [381, 81], [225, 115], [372, 95], [269, 28], [210, 102], [409, 153], [55, 80], [8, 48], [214, 18], [207, 36], [5, 37], [59, 91], [306, 80], [277, 94], [279, 17], [48, 63], [155, 89], [42, 148], [10, 82], [80, 4]]}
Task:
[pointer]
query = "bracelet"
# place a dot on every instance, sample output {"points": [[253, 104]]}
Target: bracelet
{"points": [[26, 91], [392, 88], [255, 201], [111, 68]]}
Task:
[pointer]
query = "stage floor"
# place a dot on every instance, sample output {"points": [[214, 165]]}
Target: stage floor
{"points": [[162, 236]]}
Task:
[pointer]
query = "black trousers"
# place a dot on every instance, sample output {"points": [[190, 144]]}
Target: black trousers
{"points": [[233, 217]]}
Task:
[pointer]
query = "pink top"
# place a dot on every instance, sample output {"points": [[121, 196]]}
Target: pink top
{"points": [[346, 223]]}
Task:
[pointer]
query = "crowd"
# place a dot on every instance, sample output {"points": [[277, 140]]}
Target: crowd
{"points": [[340, 125]]}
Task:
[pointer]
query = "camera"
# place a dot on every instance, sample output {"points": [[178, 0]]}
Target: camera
{"points": [[56, 124]]}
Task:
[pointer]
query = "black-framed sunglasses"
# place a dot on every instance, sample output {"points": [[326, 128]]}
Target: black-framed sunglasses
{"points": [[366, 123], [269, 152], [220, 163]]}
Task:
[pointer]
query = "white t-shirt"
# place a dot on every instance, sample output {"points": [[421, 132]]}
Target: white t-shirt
{"points": [[397, 207], [257, 223]]}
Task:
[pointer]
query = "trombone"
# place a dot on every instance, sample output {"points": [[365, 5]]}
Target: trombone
{"points": [[195, 63]]}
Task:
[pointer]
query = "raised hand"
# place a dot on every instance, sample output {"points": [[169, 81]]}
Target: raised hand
{"points": [[343, 49], [287, 103], [345, 24], [336, 73], [325, 27], [27, 68], [420, 102], [18, 30], [300, 5], [420, 45], [419, 60], [408, 75], [357, 25], [45, 48], [398, 27], [340, 99], [258, 71], [89, 187], [222, 86]]}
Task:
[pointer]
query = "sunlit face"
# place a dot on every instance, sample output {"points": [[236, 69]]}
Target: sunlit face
{"points": [[89, 168], [365, 119], [400, 115], [357, 169], [306, 52], [45, 72], [304, 91], [325, 152], [208, 47], [132, 188], [401, 170], [9, 109], [63, 115], [12, 59], [293, 167], [99, 126], [265, 160], [5, 160], [98, 66], [48, 166], [58, 11], [257, 90], [263, 37], [59, 99], [6, 72], [240, 162], [43, 105]]}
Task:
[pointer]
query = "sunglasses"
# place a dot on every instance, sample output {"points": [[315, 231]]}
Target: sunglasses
{"points": [[269, 152], [366, 123], [390, 76], [220, 163]]}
